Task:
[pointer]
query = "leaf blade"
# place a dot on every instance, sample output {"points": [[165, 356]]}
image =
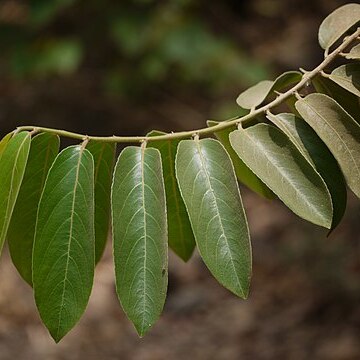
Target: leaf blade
{"points": [[64, 247], [338, 130], [104, 159], [272, 157], [181, 237], [140, 232], [317, 153], [43, 150], [348, 77], [12, 168], [203, 168]]}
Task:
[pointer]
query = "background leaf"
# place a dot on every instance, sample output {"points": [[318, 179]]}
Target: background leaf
{"points": [[255, 95], [140, 235], [243, 173], [64, 247], [348, 77], [210, 191], [12, 167], [338, 130], [277, 162], [3, 143], [181, 237], [354, 53], [104, 158], [316, 152], [43, 150], [338, 23]]}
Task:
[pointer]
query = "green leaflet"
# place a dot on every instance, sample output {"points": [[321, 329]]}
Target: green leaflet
{"points": [[354, 53], [338, 130], [337, 24], [277, 162], [347, 100], [243, 173], [104, 158], [181, 238], [316, 152], [140, 235], [43, 150], [3, 143], [211, 194], [12, 167], [256, 95], [64, 247], [348, 77]]}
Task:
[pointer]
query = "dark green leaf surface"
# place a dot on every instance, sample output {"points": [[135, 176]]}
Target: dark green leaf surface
{"points": [[338, 23], [43, 150], [104, 158], [210, 191], [12, 167], [347, 100], [140, 235], [338, 131], [278, 163], [316, 152], [64, 248], [181, 238], [243, 173], [348, 77]]}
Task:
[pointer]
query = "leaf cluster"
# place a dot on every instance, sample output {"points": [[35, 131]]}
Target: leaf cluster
{"points": [[56, 206]]}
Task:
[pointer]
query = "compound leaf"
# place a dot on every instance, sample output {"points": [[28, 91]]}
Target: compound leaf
{"points": [[181, 237], [140, 235], [43, 150], [316, 152], [64, 246], [338, 23], [12, 167], [338, 130], [278, 163], [104, 158], [211, 194], [243, 173], [348, 77]]}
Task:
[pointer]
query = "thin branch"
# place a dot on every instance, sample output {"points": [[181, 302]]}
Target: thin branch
{"points": [[307, 76]]}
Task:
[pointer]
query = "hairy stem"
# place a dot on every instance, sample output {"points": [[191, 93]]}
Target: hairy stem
{"points": [[223, 125]]}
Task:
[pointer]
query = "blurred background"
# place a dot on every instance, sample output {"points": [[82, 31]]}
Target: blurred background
{"points": [[108, 67]]}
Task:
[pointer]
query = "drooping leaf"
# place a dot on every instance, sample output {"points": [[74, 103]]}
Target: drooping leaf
{"points": [[348, 77], [12, 167], [243, 173], [278, 163], [64, 246], [316, 152], [210, 191], [181, 237], [338, 131], [338, 23], [347, 100], [256, 95], [140, 235], [354, 53], [43, 150], [104, 158]]}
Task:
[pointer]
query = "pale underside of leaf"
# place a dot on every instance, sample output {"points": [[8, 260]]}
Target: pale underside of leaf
{"points": [[278, 163], [338, 23], [338, 130], [348, 77], [210, 191], [140, 235]]}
